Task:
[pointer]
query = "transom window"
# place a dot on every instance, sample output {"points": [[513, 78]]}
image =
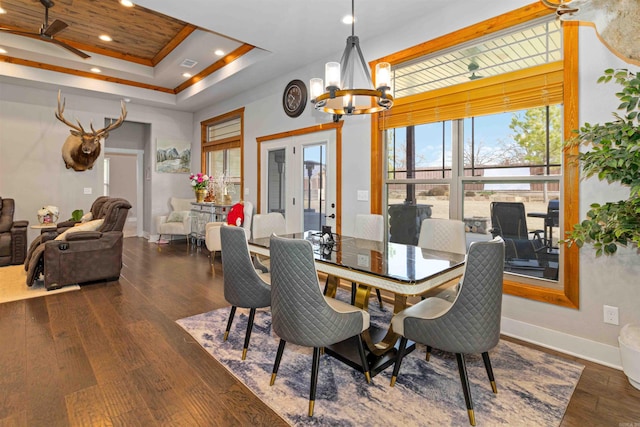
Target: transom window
{"points": [[536, 43]]}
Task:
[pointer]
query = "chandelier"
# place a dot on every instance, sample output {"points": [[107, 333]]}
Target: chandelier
{"points": [[342, 95]]}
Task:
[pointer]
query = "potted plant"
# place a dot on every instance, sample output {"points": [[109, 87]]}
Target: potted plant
{"points": [[614, 156]]}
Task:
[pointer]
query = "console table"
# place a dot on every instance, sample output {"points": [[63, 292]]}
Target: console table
{"points": [[201, 214]]}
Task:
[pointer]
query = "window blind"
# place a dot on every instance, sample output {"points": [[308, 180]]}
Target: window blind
{"points": [[532, 87]]}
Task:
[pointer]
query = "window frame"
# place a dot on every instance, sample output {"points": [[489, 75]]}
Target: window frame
{"points": [[568, 295], [207, 146]]}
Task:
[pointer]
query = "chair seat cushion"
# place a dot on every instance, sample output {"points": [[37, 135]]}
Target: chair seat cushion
{"points": [[343, 307], [429, 308]]}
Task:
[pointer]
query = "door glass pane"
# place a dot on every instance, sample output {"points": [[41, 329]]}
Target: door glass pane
{"points": [[276, 180], [313, 186]]}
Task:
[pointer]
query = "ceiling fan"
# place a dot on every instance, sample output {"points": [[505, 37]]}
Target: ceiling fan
{"points": [[47, 32], [473, 67]]}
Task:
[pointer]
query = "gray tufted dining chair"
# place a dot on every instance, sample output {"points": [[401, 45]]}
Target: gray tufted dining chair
{"points": [[469, 324], [369, 227], [447, 235], [301, 314], [243, 286]]}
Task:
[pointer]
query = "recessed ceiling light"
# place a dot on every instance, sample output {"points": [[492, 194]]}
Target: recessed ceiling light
{"points": [[126, 3], [127, 99], [96, 70], [186, 75], [347, 19], [219, 52], [105, 38], [2, 50]]}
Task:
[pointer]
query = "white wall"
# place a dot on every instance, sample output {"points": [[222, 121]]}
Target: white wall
{"points": [[610, 280], [31, 167]]}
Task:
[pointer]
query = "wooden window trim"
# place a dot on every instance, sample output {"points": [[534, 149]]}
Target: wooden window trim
{"points": [[569, 296], [232, 142]]}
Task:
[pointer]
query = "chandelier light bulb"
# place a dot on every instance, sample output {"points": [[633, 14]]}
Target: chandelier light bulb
{"points": [[332, 75], [383, 75], [316, 87]]}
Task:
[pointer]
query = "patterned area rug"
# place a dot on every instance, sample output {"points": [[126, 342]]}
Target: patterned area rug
{"points": [[534, 388], [13, 285]]}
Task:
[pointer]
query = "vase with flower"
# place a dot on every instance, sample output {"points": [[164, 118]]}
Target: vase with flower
{"points": [[48, 214], [199, 182]]}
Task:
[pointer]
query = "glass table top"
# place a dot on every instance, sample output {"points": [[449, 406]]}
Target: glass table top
{"points": [[404, 263]]}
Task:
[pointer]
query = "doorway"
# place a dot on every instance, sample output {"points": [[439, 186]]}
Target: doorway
{"points": [[301, 178], [122, 169]]}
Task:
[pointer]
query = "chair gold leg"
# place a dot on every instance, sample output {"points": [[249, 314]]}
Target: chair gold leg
{"points": [[273, 379], [393, 380], [226, 335], [311, 404], [494, 388], [472, 417], [244, 353]]}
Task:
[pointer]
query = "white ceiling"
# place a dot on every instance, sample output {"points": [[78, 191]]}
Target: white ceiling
{"points": [[288, 34]]}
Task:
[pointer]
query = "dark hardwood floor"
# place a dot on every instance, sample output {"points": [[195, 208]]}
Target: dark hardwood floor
{"points": [[112, 354]]}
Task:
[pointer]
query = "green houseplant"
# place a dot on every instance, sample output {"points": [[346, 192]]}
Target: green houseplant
{"points": [[614, 156]]}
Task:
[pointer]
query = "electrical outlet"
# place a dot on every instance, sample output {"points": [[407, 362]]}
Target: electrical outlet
{"points": [[363, 195], [363, 261], [611, 315], [88, 190]]}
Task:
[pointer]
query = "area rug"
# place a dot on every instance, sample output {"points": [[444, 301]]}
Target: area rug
{"points": [[534, 388], [13, 285]]}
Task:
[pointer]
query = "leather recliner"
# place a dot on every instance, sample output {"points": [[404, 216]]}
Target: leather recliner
{"points": [[83, 256], [13, 235]]}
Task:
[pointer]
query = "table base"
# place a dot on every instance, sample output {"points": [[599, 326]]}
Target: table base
{"points": [[347, 352]]}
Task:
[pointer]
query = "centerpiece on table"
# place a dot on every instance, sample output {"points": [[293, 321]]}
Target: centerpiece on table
{"points": [[48, 214], [223, 189], [199, 182]]}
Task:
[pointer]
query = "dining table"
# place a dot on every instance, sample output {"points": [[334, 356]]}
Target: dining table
{"points": [[400, 269]]}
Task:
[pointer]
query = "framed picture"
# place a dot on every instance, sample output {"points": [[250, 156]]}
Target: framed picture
{"points": [[173, 156]]}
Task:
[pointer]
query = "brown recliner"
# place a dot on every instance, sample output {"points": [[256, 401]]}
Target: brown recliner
{"points": [[84, 256], [13, 235]]}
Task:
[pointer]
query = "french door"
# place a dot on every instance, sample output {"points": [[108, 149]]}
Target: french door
{"points": [[300, 180]]}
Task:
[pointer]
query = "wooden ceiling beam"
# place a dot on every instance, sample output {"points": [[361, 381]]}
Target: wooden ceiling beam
{"points": [[242, 50]]}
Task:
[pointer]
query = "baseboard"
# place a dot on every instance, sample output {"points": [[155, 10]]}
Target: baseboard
{"points": [[592, 351]]}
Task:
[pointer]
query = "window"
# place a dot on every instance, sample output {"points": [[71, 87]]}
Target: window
{"points": [[481, 121], [222, 145]]}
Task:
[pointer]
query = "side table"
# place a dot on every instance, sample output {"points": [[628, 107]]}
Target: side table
{"points": [[44, 226]]}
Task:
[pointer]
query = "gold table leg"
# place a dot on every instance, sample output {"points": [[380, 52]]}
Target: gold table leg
{"points": [[389, 341]]}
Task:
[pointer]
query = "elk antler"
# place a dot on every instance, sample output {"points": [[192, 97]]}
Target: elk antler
{"points": [[561, 7], [60, 116], [113, 125]]}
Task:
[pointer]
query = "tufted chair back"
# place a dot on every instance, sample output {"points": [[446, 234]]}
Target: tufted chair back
{"points": [[441, 234], [301, 314]]}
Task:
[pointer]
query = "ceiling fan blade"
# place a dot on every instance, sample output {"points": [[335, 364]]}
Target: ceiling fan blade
{"points": [[71, 49], [55, 27], [20, 33]]}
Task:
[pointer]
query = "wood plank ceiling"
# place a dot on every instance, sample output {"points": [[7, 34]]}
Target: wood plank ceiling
{"points": [[139, 35]]}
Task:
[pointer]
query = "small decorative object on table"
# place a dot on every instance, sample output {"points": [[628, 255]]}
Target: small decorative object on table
{"points": [[223, 189], [199, 182], [48, 214]]}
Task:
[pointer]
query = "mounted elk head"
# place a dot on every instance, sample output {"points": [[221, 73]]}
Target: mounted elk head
{"points": [[82, 148], [617, 22]]}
